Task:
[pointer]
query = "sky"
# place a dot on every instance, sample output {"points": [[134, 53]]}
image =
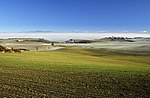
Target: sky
{"points": [[75, 15]]}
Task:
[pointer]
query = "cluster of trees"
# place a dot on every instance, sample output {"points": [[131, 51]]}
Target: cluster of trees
{"points": [[78, 41]]}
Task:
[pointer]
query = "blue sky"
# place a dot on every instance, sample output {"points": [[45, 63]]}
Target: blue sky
{"points": [[75, 15]]}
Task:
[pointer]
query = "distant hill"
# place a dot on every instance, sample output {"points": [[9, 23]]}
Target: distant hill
{"points": [[19, 40], [121, 39], [78, 41]]}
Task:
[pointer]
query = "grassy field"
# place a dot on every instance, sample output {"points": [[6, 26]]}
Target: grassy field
{"points": [[74, 72]]}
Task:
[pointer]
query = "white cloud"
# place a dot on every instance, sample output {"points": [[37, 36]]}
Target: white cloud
{"points": [[126, 31], [103, 31], [66, 36], [144, 31]]}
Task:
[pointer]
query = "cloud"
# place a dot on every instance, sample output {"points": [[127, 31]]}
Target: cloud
{"points": [[125, 31], [143, 31], [103, 31]]}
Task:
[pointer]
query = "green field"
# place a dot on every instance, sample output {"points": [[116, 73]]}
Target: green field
{"points": [[74, 72]]}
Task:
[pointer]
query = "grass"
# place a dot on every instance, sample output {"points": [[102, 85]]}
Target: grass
{"points": [[74, 72]]}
